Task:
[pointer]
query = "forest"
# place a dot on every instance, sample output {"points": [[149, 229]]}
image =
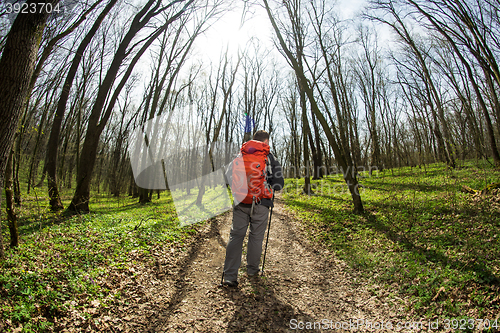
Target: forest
{"points": [[118, 119]]}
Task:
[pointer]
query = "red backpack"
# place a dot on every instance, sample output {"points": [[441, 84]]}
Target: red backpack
{"points": [[249, 173]]}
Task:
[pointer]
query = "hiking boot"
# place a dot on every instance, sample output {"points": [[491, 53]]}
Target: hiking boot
{"points": [[254, 274], [228, 283]]}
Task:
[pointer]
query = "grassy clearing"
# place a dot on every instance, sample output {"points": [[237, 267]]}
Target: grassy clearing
{"points": [[419, 236], [63, 261]]}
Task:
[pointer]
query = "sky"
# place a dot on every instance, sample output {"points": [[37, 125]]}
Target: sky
{"points": [[229, 32]]}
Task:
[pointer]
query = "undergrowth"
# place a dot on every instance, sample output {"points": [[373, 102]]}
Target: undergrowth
{"points": [[63, 260], [420, 237]]}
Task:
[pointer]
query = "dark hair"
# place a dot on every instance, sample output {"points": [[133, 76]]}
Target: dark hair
{"points": [[261, 136]]}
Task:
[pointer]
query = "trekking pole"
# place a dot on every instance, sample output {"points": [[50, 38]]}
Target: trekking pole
{"points": [[222, 278], [267, 238]]}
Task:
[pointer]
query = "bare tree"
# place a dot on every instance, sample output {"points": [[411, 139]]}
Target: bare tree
{"points": [[225, 78], [53, 143], [370, 79], [118, 158], [98, 119], [16, 69], [482, 53], [400, 27], [289, 104], [172, 56], [346, 166]]}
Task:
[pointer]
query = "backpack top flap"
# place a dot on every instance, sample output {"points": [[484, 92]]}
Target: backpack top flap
{"points": [[255, 147]]}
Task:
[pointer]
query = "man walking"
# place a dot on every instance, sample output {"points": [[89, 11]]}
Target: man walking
{"points": [[261, 174]]}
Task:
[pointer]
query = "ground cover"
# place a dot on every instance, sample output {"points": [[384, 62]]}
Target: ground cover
{"points": [[65, 262], [422, 244], [420, 235]]}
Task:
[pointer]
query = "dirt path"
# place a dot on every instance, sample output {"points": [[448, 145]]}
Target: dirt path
{"points": [[299, 283], [179, 292]]}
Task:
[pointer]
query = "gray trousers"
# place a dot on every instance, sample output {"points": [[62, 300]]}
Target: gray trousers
{"points": [[258, 225]]}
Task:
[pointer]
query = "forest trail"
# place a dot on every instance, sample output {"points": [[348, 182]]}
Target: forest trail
{"points": [[300, 284]]}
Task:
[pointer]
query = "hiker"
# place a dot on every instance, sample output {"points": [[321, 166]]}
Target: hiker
{"points": [[251, 205]]}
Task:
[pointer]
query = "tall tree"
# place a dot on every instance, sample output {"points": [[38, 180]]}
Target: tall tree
{"points": [[447, 33], [53, 143], [343, 161], [174, 51], [104, 102], [16, 69], [227, 78], [400, 27], [369, 75]]}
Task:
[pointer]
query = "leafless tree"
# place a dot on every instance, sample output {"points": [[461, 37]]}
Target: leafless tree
{"points": [[53, 143], [102, 107], [400, 27], [16, 69], [370, 80], [461, 15], [344, 161]]}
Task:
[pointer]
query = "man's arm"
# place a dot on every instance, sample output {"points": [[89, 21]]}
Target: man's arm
{"points": [[275, 177]]}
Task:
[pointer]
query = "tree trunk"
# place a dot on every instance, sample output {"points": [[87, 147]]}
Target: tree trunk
{"points": [[15, 173], [347, 168], [53, 143], [305, 135], [143, 195], [318, 172], [16, 68], [9, 201]]}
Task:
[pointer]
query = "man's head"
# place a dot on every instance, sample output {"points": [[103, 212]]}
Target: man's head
{"points": [[262, 136]]}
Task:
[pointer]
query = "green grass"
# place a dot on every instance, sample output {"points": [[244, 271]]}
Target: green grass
{"points": [[420, 236], [214, 202], [63, 261]]}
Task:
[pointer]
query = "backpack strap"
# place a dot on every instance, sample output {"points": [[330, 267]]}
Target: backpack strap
{"points": [[253, 206]]}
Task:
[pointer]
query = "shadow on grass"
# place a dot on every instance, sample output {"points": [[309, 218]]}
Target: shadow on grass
{"points": [[112, 208], [396, 236], [430, 254], [34, 220], [398, 187], [319, 195]]}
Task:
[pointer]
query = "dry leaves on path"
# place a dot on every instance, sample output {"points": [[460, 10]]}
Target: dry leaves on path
{"points": [[302, 283]]}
